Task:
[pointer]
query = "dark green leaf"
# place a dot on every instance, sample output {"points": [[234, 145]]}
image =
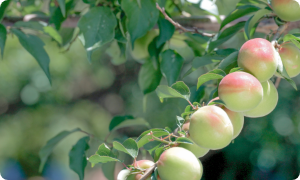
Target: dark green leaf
{"points": [[47, 149], [182, 88], [149, 77], [154, 174], [213, 93], [206, 59], [184, 140], [154, 52], [129, 147], [197, 95], [116, 54], [133, 122], [94, 159], [98, 27], [251, 2], [239, 12], [236, 69], [254, 19], [3, 7], [62, 5], [225, 35], [229, 62], [166, 31], [57, 18], [77, 157], [109, 170], [118, 120], [178, 90], [2, 39], [171, 65], [142, 16], [35, 46], [157, 153], [104, 150]]}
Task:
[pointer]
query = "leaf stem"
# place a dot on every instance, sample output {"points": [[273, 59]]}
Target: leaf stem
{"points": [[178, 26]]}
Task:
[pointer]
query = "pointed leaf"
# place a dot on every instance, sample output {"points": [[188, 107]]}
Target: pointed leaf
{"points": [[212, 75], [239, 12], [77, 156], [104, 150], [141, 15], [289, 37], [157, 153], [118, 120], [149, 77], [171, 65], [133, 122], [129, 147], [62, 5], [57, 18], [2, 39], [166, 31], [205, 60], [229, 62], [94, 159], [3, 7], [184, 140], [35, 46], [47, 149], [182, 88], [98, 27], [217, 102], [236, 69]]}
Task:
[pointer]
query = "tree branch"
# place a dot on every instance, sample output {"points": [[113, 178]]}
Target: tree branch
{"points": [[148, 172], [178, 26]]}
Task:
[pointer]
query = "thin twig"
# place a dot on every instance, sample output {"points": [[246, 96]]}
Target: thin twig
{"points": [[277, 82], [71, 42], [148, 172], [178, 26]]}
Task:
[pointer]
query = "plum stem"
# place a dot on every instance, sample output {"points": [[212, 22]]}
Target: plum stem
{"points": [[126, 166], [179, 26]]}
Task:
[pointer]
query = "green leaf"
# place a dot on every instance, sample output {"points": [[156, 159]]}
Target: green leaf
{"points": [[206, 59], [289, 37], [254, 19], [166, 31], [229, 62], [171, 65], [144, 138], [2, 38], [133, 122], [236, 69], [98, 27], [117, 120], [154, 174], [129, 147], [104, 150], [164, 91], [62, 5], [116, 54], [225, 35], [179, 121], [142, 16], [251, 2], [184, 140], [34, 46], [157, 153], [149, 77], [3, 7], [47, 149], [109, 170], [94, 159], [154, 52], [217, 102], [239, 12], [53, 33], [77, 156], [212, 75]]}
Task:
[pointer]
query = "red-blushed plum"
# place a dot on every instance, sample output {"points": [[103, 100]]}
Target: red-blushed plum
{"points": [[240, 91], [287, 10], [194, 148], [257, 57], [268, 103], [290, 56], [211, 128], [178, 163]]}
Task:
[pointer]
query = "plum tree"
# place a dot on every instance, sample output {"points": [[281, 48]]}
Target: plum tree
{"points": [[194, 148], [178, 163], [290, 56], [287, 10], [211, 128], [269, 102], [257, 57], [240, 91]]}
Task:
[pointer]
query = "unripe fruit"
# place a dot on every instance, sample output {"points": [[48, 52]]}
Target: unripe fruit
{"points": [[240, 91], [290, 56], [268, 103], [257, 57], [211, 127], [178, 163], [237, 120], [287, 10], [195, 149]]}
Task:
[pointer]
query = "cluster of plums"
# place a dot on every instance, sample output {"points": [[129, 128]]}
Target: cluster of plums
{"points": [[247, 93]]}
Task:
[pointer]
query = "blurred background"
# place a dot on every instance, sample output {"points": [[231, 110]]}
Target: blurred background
{"points": [[88, 95]]}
